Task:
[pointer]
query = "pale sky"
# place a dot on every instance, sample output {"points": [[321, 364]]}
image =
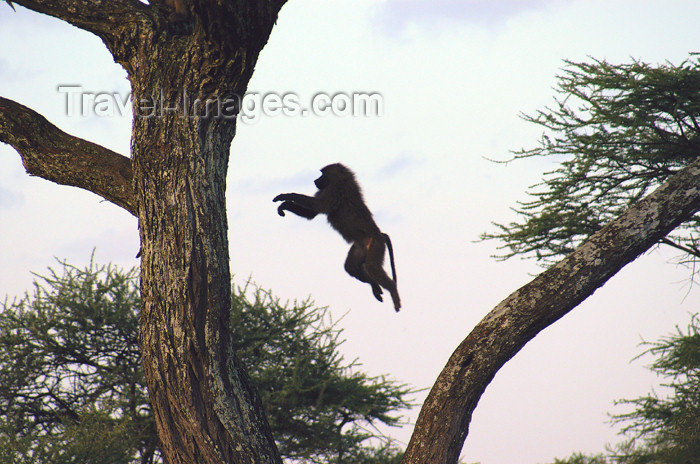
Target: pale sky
{"points": [[453, 77]]}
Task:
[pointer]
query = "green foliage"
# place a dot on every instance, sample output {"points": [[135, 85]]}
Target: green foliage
{"points": [[71, 382], [72, 388], [324, 406], [662, 430], [617, 132], [578, 458], [667, 430]]}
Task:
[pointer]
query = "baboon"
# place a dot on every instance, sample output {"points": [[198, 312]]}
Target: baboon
{"points": [[339, 197]]}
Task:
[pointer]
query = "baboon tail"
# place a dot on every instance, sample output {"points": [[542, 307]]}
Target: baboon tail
{"points": [[391, 255]]}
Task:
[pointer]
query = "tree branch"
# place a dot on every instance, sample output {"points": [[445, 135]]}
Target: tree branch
{"points": [[691, 250], [249, 17], [443, 423], [50, 153], [100, 18]]}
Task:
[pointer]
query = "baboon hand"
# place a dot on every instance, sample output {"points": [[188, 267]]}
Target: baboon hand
{"points": [[280, 208]]}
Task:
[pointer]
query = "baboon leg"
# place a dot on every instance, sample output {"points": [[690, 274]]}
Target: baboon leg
{"points": [[373, 267], [354, 265]]}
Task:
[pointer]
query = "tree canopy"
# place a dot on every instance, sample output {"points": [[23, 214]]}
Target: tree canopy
{"points": [[666, 427], [617, 132], [661, 428], [72, 387]]}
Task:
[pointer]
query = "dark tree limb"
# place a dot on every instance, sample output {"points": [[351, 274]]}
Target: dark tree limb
{"points": [[443, 423], [100, 18], [123, 24], [50, 153], [692, 250]]}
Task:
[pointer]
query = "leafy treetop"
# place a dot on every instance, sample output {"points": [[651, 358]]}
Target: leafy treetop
{"points": [[72, 387], [619, 131]]}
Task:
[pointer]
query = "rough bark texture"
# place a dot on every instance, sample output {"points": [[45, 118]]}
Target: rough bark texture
{"points": [[205, 407], [50, 153], [443, 423]]}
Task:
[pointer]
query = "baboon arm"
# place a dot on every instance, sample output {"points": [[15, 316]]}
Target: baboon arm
{"points": [[303, 200], [301, 205], [296, 209]]}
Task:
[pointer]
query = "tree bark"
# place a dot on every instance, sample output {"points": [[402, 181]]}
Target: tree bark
{"points": [[50, 153], [206, 409], [443, 423]]}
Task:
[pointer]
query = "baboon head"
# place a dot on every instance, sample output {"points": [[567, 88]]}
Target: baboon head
{"points": [[331, 174]]}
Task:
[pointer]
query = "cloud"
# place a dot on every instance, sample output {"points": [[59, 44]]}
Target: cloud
{"points": [[397, 164], [393, 16], [10, 198]]}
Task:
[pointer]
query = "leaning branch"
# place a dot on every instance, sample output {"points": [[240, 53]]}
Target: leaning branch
{"points": [[100, 18], [443, 423], [50, 153]]}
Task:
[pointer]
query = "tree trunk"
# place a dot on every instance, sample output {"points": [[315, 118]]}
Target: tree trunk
{"points": [[206, 409], [443, 423]]}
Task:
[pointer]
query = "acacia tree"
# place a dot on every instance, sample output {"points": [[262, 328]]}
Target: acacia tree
{"points": [[72, 387], [174, 182], [621, 130], [661, 429]]}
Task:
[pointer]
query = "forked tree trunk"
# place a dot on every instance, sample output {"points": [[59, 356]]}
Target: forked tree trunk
{"points": [[205, 407]]}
